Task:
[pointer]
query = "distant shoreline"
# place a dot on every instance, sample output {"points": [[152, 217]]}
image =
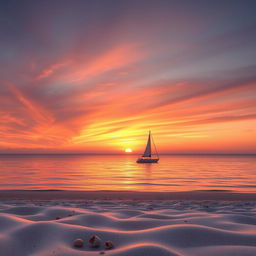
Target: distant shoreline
{"points": [[127, 154], [51, 195]]}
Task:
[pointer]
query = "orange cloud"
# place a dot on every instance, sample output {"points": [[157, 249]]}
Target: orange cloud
{"points": [[115, 58], [90, 105], [50, 70]]}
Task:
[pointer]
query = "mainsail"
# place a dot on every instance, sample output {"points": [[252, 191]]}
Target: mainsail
{"points": [[147, 152]]}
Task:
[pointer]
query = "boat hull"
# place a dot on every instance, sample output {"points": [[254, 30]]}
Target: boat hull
{"points": [[145, 160]]}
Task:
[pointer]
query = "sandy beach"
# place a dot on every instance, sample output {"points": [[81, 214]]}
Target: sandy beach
{"points": [[186, 227]]}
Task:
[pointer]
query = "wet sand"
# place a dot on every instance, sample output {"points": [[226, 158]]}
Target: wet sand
{"points": [[124, 195]]}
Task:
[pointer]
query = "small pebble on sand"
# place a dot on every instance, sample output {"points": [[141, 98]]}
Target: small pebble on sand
{"points": [[94, 241], [78, 242], [109, 245]]}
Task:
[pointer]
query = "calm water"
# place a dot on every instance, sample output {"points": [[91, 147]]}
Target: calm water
{"points": [[172, 173]]}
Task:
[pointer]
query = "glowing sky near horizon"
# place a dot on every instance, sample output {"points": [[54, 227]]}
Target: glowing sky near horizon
{"points": [[95, 76]]}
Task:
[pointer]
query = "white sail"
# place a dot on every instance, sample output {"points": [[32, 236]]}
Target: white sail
{"points": [[147, 152]]}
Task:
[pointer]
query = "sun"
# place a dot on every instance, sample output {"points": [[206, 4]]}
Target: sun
{"points": [[128, 150]]}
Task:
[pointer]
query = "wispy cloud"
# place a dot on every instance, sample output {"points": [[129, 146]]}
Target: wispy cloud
{"points": [[80, 76]]}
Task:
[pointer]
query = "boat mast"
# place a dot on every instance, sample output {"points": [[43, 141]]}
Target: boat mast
{"points": [[149, 135]]}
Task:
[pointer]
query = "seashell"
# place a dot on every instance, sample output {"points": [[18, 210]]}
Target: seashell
{"points": [[94, 241], [78, 242], [109, 245]]}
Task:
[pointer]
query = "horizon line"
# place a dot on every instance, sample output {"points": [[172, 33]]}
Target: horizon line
{"points": [[134, 154]]}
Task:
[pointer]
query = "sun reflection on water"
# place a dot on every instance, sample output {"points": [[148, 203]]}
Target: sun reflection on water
{"points": [[172, 173]]}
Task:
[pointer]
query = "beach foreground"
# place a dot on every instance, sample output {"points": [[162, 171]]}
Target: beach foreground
{"points": [[136, 227]]}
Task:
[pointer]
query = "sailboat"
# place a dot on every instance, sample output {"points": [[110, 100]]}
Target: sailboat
{"points": [[147, 156]]}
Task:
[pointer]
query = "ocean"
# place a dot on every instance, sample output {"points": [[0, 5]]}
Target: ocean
{"points": [[121, 172]]}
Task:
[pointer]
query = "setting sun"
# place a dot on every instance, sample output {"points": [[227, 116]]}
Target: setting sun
{"points": [[128, 150]]}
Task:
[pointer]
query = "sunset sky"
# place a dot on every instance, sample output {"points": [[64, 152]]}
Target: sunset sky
{"points": [[95, 76]]}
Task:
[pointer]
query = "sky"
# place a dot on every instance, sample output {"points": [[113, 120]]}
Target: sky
{"points": [[96, 76]]}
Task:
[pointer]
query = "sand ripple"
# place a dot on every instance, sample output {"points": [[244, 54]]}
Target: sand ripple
{"points": [[173, 228]]}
